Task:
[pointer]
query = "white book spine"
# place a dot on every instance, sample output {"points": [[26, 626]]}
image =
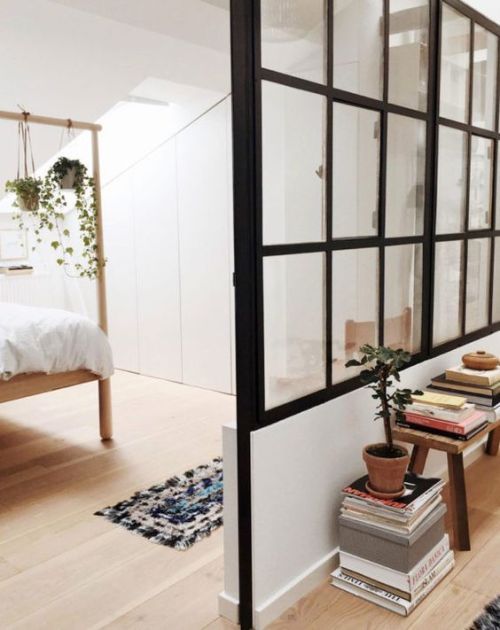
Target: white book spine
{"points": [[407, 582], [389, 600]]}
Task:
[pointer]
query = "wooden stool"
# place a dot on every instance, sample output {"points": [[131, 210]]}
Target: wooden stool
{"points": [[423, 442]]}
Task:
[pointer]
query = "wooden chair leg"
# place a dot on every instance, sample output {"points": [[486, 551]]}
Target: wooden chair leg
{"points": [[418, 459], [493, 442], [105, 413], [458, 502]]}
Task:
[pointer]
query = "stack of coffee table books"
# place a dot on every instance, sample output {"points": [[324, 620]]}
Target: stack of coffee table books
{"points": [[393, 552]]}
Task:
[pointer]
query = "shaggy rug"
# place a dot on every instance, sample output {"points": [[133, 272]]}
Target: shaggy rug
{"points": [[490, 619], [177, 513]]}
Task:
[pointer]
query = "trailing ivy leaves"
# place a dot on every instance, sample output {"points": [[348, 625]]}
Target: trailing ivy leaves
{"points": [[381, 367], [48, 216]]}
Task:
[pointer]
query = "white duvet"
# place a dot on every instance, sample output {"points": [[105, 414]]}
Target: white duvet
{"points": [[50, 340]]}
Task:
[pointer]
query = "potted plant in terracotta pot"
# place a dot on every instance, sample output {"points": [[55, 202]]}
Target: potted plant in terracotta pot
{"points": [[27, 191], [386, 462]]}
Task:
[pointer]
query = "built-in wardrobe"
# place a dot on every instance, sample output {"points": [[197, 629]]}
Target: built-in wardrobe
{"points": [[168, 238]]}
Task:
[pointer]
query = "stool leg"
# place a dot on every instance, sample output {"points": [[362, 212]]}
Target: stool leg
{"points": [[418, 459], [458, 502], [493, 442]]}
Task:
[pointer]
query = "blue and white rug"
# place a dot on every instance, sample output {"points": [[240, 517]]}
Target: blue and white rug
{"points": [[178, 513]]}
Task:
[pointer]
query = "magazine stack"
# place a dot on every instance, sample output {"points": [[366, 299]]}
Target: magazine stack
{"points": [[393, 552]]}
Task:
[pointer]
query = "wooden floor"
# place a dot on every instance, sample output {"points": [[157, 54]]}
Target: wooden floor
{"points": [[452, 606], [63, 568]]}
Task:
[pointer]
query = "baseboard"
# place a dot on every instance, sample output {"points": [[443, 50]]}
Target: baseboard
{"points": [[229, 607], [303, 584], [286, 597]]}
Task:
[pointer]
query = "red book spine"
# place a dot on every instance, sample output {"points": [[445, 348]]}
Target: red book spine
{"points": [[433, 423]]}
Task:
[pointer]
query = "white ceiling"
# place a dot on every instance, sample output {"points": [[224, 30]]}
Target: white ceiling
{"points": [[77, 59]]}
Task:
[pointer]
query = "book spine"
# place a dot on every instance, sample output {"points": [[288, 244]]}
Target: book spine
{"points": [[457, 436], [375, 590], [434, 423], [418, 575]]}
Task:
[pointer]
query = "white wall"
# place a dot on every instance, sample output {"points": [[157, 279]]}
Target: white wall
{"points": [[168, 238]]}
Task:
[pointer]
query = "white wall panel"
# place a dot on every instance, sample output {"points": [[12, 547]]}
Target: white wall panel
{"points": [[204, 253], [119, 247], [157, 264]]}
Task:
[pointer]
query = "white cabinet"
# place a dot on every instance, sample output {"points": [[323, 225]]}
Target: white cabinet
{"points": [[157, 264], [168, 237], [119, 247], [204, 254]]}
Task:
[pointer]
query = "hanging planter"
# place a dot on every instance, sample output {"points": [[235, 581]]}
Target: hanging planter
{"points": [[27, 191], [69, 173]]}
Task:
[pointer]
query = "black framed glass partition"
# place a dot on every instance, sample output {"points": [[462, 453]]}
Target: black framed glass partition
{"points": [[366, 144], [377, 125]]}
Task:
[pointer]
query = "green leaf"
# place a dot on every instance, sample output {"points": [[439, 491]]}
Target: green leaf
{"points": [[55, 244]]}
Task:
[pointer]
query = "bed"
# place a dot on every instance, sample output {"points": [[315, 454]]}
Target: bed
{"points": [[43, 349]]}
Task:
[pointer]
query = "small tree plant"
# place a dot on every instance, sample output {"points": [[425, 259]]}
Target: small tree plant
{"points": [[381, 368]]}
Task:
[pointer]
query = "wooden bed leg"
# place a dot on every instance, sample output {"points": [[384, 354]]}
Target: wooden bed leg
{"points": [[105, 413]]}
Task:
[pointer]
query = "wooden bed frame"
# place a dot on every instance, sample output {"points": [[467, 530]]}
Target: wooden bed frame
{"points": [[25, 385]]}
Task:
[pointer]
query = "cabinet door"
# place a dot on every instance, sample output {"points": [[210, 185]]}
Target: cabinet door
{"points": [[120, 272], [204, 252], [157, 262]]}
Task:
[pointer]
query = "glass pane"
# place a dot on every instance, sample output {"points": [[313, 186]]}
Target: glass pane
{"points": [[478, 280], [481, 174], [293, 174], [293, 37], [484, 78], [496, 282], [408, 53], [355, 283], [448, 291], [405, 197], [358, 46], [455, 62], [356, 157], [294, 325], [403, 297], [452, 181]]}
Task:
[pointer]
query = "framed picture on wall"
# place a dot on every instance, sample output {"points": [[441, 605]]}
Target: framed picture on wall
{"points": [[13, 245]]}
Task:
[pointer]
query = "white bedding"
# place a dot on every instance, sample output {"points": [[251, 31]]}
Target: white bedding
{"points": [[50, 340]]}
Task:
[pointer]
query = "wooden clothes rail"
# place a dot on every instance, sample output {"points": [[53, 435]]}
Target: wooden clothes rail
{"points": [[30, 384]]}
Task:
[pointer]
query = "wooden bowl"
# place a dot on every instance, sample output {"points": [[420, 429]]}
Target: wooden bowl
{"points": [[480, 360]]}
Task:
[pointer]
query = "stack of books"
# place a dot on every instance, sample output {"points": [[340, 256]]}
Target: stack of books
{"points": [[441, 414], [393, 552], [479, 387]]}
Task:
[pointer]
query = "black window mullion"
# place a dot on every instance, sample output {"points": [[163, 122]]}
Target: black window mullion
{"points": [[431, 183], [494, 191], [329, 195]]}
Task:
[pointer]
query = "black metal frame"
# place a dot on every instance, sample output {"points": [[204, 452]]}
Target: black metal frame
{"points": [[247, 76]]}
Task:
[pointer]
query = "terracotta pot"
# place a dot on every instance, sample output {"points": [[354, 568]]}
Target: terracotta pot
{"points": [[386, 474], [480, 360]]}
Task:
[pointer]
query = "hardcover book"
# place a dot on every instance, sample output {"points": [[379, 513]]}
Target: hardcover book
{"points": [[455, 436], [460, 386], [478, 377], [387, 599], [405, 582], [461, 428]]}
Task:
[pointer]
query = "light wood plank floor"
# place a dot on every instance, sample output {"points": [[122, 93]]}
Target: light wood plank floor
{"points": [[63, 568], [452, 606]]}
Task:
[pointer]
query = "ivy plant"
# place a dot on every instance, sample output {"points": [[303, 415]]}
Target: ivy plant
{"points": [[380, 369], [48, 219], [27, 191]]}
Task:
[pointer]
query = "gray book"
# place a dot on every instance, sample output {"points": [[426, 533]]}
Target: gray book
{"points": [[394, 550]]}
